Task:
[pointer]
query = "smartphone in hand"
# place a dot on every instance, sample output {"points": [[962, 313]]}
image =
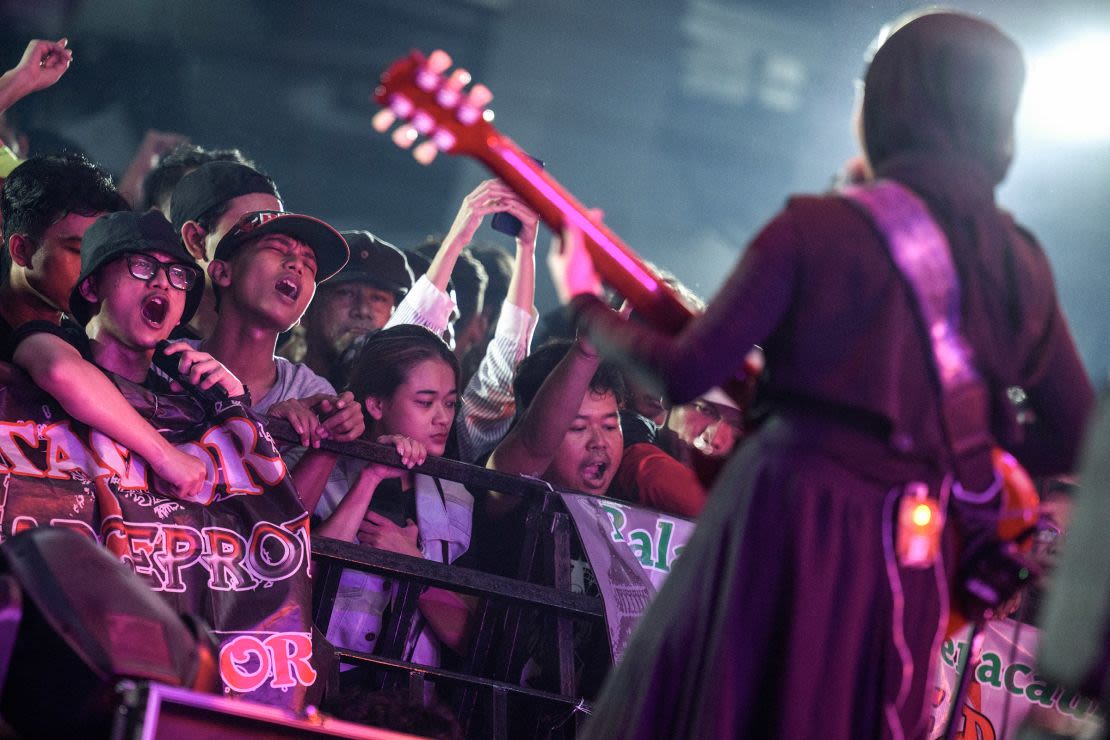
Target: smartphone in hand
{"points": [[506, 222]]}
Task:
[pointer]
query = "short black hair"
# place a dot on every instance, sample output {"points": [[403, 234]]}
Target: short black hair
{"points": [[45, 189], [534, 369], [384, 361], [161, 180]]}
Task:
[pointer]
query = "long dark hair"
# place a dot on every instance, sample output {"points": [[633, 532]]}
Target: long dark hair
{"points": [[387, 357]]}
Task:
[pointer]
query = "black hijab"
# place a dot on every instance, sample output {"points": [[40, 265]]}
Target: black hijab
{"points": [[944, 84]]}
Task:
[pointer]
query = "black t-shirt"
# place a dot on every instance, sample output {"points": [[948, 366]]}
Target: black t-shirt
{"points": [[74, 335], [394, 503], [69, 331], [7, 345]]}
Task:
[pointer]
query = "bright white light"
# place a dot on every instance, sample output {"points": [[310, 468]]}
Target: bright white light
{"points": [[1066, 93]]}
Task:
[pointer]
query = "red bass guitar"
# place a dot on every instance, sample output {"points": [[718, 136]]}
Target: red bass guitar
{"points": [[435, 107]]}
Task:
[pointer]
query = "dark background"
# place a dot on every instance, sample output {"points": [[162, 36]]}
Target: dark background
{"points": [[687, 121]]}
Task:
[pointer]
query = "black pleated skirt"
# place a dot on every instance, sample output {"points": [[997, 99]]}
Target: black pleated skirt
{"points": [[787, 615]]}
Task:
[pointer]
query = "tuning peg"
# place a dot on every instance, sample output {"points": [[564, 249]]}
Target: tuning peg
{"points": [[479, 96], [438, 61], [423, 123], [467, 114], [425, 152], [405, 136], [459, 79], [383, 119], [447, 97], [444, 140], [401, 105]]}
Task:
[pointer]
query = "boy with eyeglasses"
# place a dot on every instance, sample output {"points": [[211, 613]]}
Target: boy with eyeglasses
{"points": [[137, 283]]}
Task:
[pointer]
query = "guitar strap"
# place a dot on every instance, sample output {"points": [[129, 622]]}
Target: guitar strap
{"points": [[920, 251]]}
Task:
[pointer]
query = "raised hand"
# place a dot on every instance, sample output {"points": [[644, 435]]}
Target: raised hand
{"points": [[154, 145], [43, 64], [489, 197], [572, 269]]}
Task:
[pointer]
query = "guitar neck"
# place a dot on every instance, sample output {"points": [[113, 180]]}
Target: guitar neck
{"points": [[414, 90], [617, 264]]}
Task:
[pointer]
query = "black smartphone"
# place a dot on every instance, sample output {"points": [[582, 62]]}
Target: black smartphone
{"points": [[393, 503], [506, 222]]}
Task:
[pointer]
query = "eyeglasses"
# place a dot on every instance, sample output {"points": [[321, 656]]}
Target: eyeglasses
{"points": [[179, 275], [713, 413]]}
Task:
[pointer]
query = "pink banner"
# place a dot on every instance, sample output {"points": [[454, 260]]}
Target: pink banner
{"points": [[241, 563]]}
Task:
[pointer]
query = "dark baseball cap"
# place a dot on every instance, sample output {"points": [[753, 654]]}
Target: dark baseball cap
{"points": [[212, 184], [376, 262], [127, 232], [328, 244]]}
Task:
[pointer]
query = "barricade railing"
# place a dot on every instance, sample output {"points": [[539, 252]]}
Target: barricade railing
{"points": [[487, 684]]}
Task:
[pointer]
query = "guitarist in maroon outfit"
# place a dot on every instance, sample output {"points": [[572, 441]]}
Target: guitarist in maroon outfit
{"points": [[795, 611], [790, 613]]}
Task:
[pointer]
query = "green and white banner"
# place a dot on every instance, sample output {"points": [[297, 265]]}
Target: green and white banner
{"points": [[631, 551]]}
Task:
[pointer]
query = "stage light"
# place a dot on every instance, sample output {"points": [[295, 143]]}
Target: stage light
{"points": [[1065, 95]]}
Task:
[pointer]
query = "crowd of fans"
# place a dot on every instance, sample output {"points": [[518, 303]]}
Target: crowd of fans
{"points": [[342, 335]]}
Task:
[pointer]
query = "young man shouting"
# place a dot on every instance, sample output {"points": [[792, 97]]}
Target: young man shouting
{"points": [[137, 283], [264, 273]]}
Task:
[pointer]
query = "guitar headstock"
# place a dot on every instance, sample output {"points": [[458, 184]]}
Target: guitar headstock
{"points": [[432, 105]]}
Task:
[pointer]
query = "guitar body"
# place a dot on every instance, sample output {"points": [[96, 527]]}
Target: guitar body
{"points": [[1018, 515]]}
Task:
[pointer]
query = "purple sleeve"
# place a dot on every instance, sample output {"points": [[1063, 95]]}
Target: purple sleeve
{"points": [[712, 347], [1063, 400]]}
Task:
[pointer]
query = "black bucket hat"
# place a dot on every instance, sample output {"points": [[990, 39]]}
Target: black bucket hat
{"points": [[330, 247], [377, 263], [126, 232]]}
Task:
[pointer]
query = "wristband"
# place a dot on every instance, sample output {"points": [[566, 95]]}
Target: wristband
{"points": [[8, 161]]}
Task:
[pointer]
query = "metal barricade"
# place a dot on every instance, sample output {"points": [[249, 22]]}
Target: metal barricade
{"points": [[486, 686]]}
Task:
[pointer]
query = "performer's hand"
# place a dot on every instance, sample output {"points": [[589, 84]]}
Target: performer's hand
{"points": [[572, 269], [203, 370], [380, 532], [342, 417]]}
